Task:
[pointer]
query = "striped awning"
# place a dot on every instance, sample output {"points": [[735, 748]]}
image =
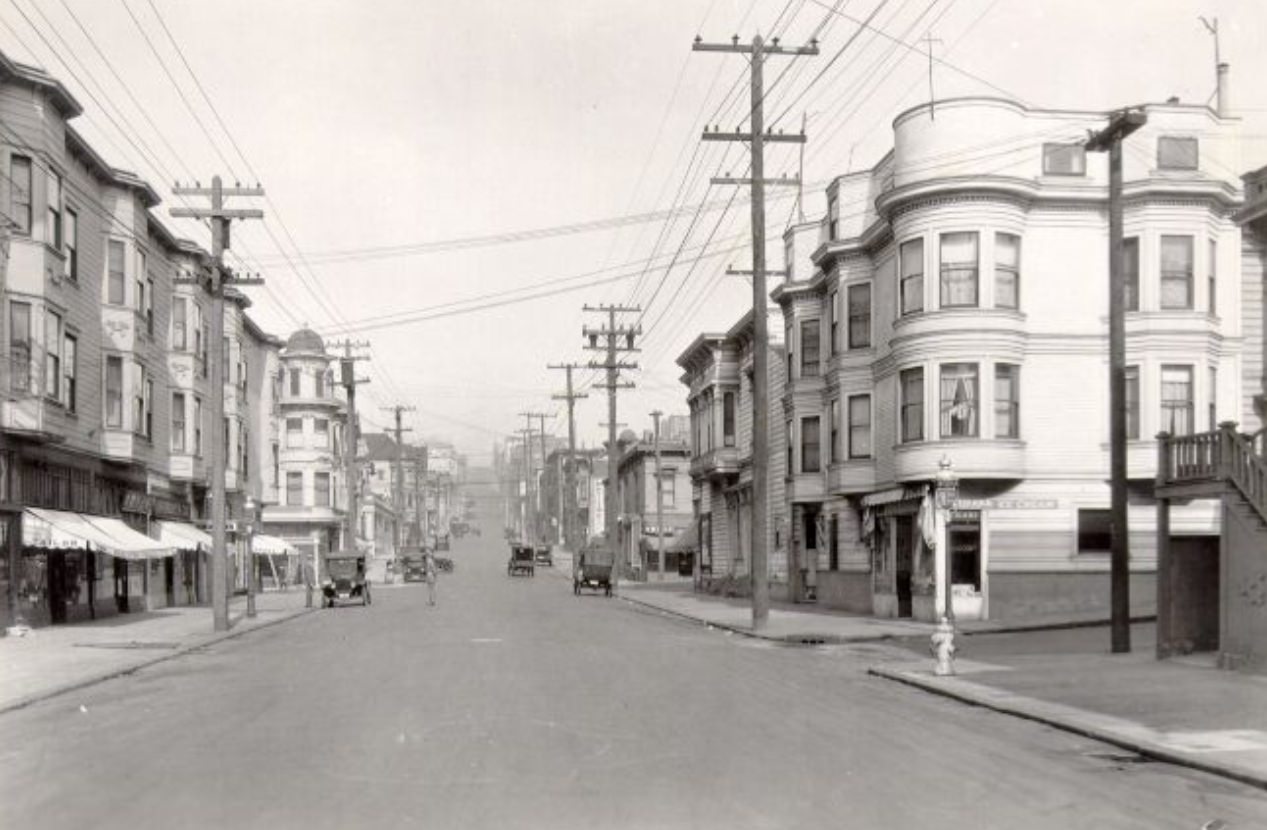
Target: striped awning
{"points": [[183, 536], [264, 545], [60, 529]]}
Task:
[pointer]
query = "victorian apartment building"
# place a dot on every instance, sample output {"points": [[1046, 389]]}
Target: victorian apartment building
{"points": [[954, 306], [640, 533]]}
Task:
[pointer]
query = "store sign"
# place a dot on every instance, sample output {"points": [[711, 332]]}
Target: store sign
{"points": [[1007, 504], [135, 501]]}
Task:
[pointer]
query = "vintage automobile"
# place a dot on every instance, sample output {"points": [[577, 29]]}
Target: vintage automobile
{"points": [[442, 542], [544, 555], [413, 564], [345, 578], [593, 571], [521, 561]]}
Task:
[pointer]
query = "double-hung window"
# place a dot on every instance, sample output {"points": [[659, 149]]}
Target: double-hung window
{"points": [[198, 426], [180, 324], [791, 361], [70, 245], [728, 418], [70, 372], [1176, 272], [1211, 272], [859, 298], [1132, 403], [1007, 270], [833, 317], [860, 424], [294, 383], [1130, 272], [53, 212], [294, 489], [319, 377], [811, 459], [116, 257], [20, 192], [178, 422], [52, 354], [294, 432], [911, 288], [959, 273], [833, 444], [321, 427], [960, 396], [321, 489], [911, 387], [1212, 408], [114, 391], [1176, 399], [810, 348], [1007, 400], [20, 375]]}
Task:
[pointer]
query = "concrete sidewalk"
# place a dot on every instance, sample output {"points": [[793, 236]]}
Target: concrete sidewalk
{"points": [[58, 659], [1183, 711]]}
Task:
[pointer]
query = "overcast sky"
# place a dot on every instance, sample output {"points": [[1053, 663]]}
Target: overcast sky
{"points": [[391, 124]]}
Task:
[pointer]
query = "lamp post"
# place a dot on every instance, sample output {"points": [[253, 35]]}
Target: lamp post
{"points": [[252, 516], [946, 493]]}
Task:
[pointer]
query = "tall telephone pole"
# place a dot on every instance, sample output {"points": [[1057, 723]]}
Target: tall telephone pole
{"points": [[542, 534], [756, 139], [1121, 125], [613, 348], [351, 436], [567, 504], [398, 480], [530, 505], [659, 497], [220, 217]]}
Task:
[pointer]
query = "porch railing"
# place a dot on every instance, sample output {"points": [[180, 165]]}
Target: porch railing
{"points": [[1223, 455]]}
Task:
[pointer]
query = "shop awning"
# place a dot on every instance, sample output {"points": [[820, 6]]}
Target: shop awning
{"points": [[43, 528], [265, 545], [686, 542], [183, 536], [893, 495]]}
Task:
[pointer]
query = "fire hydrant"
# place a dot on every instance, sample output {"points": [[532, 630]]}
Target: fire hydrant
{"points": [[943, 648]]}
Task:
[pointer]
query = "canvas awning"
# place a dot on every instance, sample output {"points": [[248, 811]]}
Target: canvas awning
{"points": [[264, 545], [43, 528], [183, 536], [686, 542]]}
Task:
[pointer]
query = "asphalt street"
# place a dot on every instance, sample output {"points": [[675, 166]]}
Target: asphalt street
{"points": [[513, 703]]}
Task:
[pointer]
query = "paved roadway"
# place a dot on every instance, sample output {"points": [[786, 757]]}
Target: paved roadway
{"points": [[514, 704]]}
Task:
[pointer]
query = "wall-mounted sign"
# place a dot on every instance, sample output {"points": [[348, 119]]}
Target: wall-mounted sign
{"points": [[1006, 504]]}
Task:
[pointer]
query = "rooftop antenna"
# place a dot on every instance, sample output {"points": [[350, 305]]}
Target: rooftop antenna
{"points": [[1212, 26]]}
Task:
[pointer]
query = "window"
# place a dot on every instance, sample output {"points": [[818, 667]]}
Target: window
{"points": [[114, 392], [959, 410], [958, 269], [810, 336], [1212, 276], [833, 542], [859, 297], [1176, 399], [180, 323], [294, 382], [320, 377], [53, 216], [1007, 270], [52, 353], [148, 309], [1176, 272], [115, 256], [198, 427], [277, 464], [911, 290], [1130, 272], [728, 418], [294, 432], [833, 420], [833, 319], [321, 427], [1095, 530], [70, 244], [668, 490], [791, 442], [912, 404], [149, 408], [791, 363], [295, 489], [20, 347], [20, 192], [860, 422], [811, 461], [1174, 153], [833, 216], [1132, 403], [1007, 401], [1064, 160], [1213, 393], [70, 372], [321, 488], [178, 422]]}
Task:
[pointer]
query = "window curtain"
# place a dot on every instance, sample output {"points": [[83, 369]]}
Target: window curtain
{"points": [[959, 400], [959, 269]]}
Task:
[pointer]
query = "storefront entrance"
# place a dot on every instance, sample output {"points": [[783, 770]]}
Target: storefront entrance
{"points": [[904, 563]]}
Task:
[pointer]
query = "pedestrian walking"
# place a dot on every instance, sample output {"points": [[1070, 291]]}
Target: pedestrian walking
{"points": [[431, 578]]}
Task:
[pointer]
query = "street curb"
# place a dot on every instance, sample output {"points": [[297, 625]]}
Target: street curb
{"points": [[808, 639], [1021, 709], [57, 691], [1055, 625]]}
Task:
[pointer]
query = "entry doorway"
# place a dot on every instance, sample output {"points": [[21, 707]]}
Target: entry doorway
{"points": [[1195, 593], [904, 562], [965, 548], [169, 580]]}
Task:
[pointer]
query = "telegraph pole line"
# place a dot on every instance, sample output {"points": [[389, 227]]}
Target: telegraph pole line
{"points": [[351, 436], [398, 490], [932, 99], [1121, 124], [756, 139], [613, 365], [568, 520], [220, 217], [659, 497], [542, 534], [530, 505]]}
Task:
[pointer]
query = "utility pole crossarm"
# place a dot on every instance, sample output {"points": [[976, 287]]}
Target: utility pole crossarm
{"points": [[771, 48], [1121, 124], [775, 138]]}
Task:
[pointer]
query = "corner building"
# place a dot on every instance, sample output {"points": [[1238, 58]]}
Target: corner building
{"points": [[956, 307]]}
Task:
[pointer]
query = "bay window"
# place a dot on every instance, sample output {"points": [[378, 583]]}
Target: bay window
{"points": [[1007, 401], [911, 389], [178, 422], [20, 192], [911, 287], [20, 347], [860, 424], [114, 391], [859, 298], [52, 353], [321, 489], [959, 269], [1176, 272], [811, 459], [1130, 272], [959, 400], [116, 257], [1132, 403], [810, 343], [70, 245], [1176, 399], [70, 372], [53, 210], [1007, 270], [294, 489]]}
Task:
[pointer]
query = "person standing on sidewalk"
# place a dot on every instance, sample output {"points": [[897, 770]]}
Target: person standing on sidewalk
{"points": [[430, 565]]}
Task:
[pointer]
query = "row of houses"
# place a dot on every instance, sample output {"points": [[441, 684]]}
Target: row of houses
{"points": [[951, 305], [106, 425]]}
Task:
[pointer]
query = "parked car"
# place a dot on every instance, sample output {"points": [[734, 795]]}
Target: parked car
{"points": [[544, 555], [413, 564], [345, 578]]}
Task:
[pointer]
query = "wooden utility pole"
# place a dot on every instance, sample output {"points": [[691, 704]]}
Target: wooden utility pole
{"points": [[932, 98], [659, 497], [756, 139], [530, 506], [567, 504], [351, 435], [613, 348], [1121, 125], [398, 480], [220, 217], [542, 535]]}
